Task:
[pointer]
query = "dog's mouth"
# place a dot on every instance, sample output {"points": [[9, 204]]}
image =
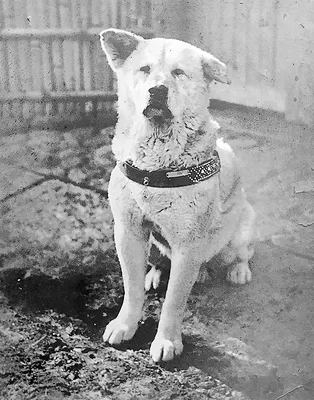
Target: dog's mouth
{"points": [[158, 113]]}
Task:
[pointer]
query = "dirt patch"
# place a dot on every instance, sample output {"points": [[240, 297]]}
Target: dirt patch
{"points": [[51, 346]]}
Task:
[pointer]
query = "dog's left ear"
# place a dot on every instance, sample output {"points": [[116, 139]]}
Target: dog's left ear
{"points": [[118, 45], [214, 69]]}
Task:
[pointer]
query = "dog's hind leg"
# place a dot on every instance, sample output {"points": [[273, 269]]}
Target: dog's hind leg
{"points": [[241, 249], [132, 249]]}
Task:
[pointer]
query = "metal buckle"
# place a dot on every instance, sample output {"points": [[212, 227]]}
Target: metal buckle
{"points": [[177, 174]]}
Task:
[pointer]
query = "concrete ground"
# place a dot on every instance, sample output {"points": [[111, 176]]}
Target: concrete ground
{"points": [[274, 313], [258, 338]]}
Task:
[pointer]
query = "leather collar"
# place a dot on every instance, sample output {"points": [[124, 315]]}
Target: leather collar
{"points": [[164, 178]]}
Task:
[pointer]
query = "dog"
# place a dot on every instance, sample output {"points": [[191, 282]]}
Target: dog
{"points": [[175, 183]]}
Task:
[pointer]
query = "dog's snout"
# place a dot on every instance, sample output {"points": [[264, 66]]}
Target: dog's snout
{"points": [[159, 93], [157, 108]]}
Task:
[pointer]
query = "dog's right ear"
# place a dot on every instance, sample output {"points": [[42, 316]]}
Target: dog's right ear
{"points": [[118, 45]]}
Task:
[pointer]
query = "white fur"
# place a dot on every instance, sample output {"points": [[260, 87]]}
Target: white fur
{"points": [[199, 221]]}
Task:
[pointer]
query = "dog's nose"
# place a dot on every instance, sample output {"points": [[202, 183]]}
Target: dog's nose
{"points": [[159, 93]]}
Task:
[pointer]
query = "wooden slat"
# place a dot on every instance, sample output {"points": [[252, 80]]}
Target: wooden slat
{"points": [[114, 13], [9, 14], [226, 29], [76, 14], [15, 79], [33, 15], [85, 14], [67, 54], [2, 15], [68, 33], [100, 78], [123, 8], [239, 42], [37, 73], [57, 65], [96, 12], [76, 65], [275, 42], [58, 13], [36, 65], [25, 71], [134, 14], [4, 67], [69, 96], [265, 42], [47, 67], [24, 53], [87, 61], [58, 62], [6, 110], [105, 15], [91, 50], [14, 67], [65, 13], [43, 16], [148, 13], [252, 33], [20, 13], [214, 27], [53, 14]]}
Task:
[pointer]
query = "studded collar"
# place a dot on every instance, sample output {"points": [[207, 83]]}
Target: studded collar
{"points": [[164, 178]]}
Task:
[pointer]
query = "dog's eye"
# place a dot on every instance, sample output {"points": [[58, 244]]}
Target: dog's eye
{"points": [[178, 72], [145, 69]]}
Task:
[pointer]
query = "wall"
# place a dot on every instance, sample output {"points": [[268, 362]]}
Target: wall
{"points": [[267, 45], [51, 64]]}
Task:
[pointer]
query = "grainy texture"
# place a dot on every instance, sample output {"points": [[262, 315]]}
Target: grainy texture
{"points": [[53, 51], [57, 68], [257, 339]]}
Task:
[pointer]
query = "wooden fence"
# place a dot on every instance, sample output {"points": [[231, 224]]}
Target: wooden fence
{"points": [[51, 63]]}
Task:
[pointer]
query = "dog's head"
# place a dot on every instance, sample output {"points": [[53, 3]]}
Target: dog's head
{"points": [[161, 79]]}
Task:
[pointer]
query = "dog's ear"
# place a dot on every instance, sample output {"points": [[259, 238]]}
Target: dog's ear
{"points": [[118, 45], [214, 69]]}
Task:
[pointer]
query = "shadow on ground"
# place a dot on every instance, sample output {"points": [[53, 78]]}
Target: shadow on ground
{"points": [[220, 319], [257, 338]]}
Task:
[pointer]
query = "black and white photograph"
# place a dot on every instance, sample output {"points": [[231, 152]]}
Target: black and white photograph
{"points": [[156, 199]]}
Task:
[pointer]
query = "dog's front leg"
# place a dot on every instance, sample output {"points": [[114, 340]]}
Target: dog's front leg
{"points": [[184, 271], [132, 249]]}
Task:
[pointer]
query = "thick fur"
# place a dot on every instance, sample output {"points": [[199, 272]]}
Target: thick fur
{"points": [[196, 222]]}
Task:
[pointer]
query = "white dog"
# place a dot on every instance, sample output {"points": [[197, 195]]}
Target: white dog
{"points": [[174, 182]]}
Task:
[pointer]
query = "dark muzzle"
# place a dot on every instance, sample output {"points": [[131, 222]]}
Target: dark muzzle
{"points": [[157, 109]]}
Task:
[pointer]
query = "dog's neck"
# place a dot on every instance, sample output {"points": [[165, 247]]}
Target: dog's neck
{"points": [[152, 147]]}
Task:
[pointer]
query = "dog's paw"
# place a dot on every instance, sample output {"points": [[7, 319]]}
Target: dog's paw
{"points": [[152, 278], [118, 331], [163, 349], [240, 274]]}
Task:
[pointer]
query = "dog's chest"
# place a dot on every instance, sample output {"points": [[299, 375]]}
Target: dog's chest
{"points": [[155, 204], [175, 209]]}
